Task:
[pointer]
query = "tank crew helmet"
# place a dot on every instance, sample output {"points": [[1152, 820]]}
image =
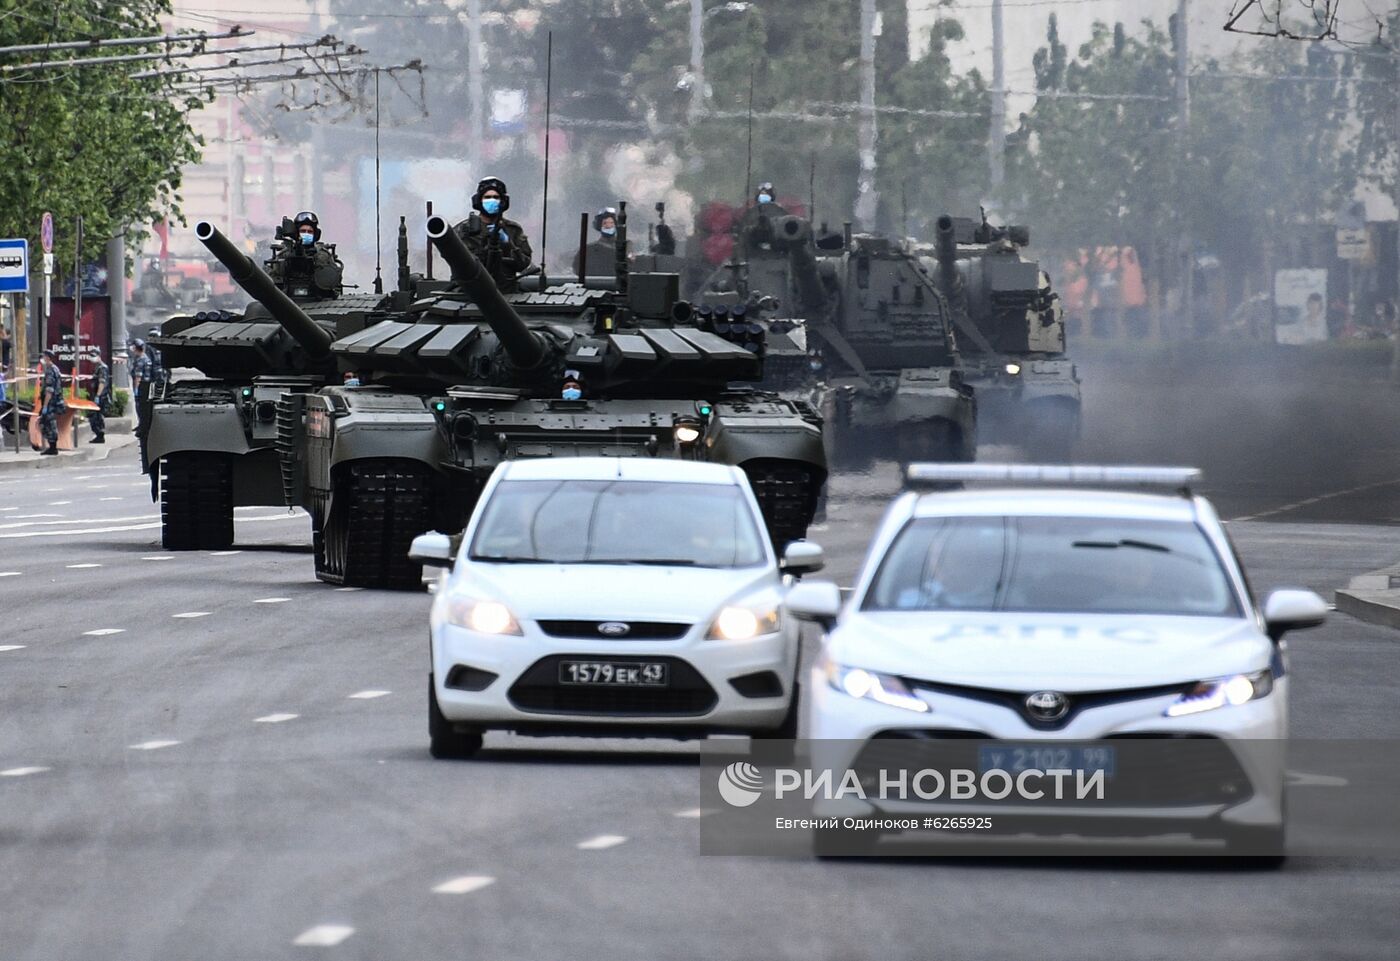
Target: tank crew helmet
{"points": [[489, 205], [153, 332], [307, 218], [137, 342], [765, 193], [573, 386], [604, 214]]}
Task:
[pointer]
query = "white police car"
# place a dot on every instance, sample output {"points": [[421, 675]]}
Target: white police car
{"points": [[1056, 623], [612, 596]]}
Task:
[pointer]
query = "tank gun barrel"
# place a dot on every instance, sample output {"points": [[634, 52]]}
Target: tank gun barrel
{"points": [[248, 275], [794, 235], [525, 348], [946, 251]]}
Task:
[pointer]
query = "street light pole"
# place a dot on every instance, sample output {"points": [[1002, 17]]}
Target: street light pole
{"points": [[996, 142], [867, 201]]}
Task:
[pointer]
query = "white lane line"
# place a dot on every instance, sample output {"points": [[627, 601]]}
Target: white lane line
{"points": [[159, 557], [151, 745], [192, 614], [29, 517], [104, 631], [601, 842], [11, 573], [465, 884], [111, 498], [272, 600], [1286, 508], [22, 771], [692, 813], [58, 503], [223, 553], [275, 718], [6, 509], [136, 527], [11, 647], [52, 490], [80, 567], [71, 522], [323, 936], [366, 695], [349, 588]]}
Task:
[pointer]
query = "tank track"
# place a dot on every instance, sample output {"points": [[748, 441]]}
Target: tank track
{"points": [[787, 493], [379, 507], [196, 502]]}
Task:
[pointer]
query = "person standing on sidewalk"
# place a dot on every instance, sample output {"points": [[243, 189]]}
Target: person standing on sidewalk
{"points": [[101, 393], [50, 402]]}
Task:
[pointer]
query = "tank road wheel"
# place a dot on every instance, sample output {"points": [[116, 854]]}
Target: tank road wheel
{"points": [[196, 502], [376, 511], [787, 494]]}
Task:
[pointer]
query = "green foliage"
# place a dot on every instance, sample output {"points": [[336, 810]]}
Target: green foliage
{"points": [[90, 141]]}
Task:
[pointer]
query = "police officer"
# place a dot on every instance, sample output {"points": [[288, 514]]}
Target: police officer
{"points": [[50, 401], [500, 244], [101, 393], [303, 266], [140, 368], [600, 257], [160, 374]]}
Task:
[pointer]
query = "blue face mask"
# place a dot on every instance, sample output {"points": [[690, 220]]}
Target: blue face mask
{"points": [[572, 393], [491, 206], [353, 382], [307, 239], [765, 198], [608, 231]]}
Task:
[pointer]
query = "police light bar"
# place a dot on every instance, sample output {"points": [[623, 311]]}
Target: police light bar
{"points": [[1071, 475]]}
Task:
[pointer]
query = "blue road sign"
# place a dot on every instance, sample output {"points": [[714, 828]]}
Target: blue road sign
{"points": [[14, 266]]}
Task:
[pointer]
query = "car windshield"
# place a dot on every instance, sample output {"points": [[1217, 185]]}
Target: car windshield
{"points": [[618, 522], [1052, 564]]}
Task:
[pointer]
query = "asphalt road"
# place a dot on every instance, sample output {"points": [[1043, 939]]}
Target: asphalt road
{"points": [[214, 756]]}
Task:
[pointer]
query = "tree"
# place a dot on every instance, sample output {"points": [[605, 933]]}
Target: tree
{"points": [[91, 141]]}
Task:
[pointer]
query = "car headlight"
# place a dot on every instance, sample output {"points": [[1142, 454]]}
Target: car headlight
{"points": [[1222, 692], [859, 683], [1012, 369], [742, 623], [480, 614]]}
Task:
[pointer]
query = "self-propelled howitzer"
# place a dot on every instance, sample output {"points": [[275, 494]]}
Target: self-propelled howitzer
{"points": [[209, 443], [458, 378]]}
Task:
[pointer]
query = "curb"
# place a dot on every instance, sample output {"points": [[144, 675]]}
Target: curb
{"points": [[1373, 598], [85, 454]]}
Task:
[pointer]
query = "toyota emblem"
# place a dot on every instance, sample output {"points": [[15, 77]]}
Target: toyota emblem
{"points": [[1047, 705], [614, 629]]}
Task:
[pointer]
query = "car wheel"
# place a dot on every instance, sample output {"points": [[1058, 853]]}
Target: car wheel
{"points": [[445, 742]]}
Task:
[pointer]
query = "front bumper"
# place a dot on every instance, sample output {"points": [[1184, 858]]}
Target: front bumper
{"points": [[700, 697]]}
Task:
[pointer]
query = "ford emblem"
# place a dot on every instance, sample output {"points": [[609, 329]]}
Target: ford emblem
{"points": [[1047, 705], [614, 629]]}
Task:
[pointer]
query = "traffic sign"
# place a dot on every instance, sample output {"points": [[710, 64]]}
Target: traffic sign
{"points": [[46, 232], [14, 266]]}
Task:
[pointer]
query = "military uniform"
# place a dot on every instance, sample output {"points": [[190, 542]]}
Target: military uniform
{"points": [[101, 392], [317, 271], [52, 404], [756, 226], [141, 384], [159, 375], [505, 258], [601, 258]]}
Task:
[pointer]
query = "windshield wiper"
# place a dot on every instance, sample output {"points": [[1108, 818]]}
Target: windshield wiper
{"points": [[1126, 542], [507, 559], [651, 561]]}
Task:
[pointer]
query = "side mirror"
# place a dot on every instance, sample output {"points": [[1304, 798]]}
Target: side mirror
{"points": [[818, 602], [433, 549], [802, 557], [1292, 610]]}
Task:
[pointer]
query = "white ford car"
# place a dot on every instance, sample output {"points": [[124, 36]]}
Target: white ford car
{"points": [[1058, 624], [612, 596]]}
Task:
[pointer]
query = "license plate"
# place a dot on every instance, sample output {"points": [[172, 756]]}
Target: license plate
{"points": [[613, 673], [1015, 758]]}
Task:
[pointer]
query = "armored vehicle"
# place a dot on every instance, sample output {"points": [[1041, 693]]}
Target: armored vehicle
{"points": [[459, 377], [1013, 344], [878, 337], [209, 443]]}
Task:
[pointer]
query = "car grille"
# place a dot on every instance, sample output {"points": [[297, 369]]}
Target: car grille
{"points": [[538, 690], [636, 630], [1152, 770], [1078, 702]]}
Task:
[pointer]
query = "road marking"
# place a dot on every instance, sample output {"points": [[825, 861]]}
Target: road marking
{"points": [[5, 509], [323, 936], [11, 573], [71, 521], [110, 498], [11, 647], [366, 695], [151, 745], [81, 567], [136, 527], [59, 503], [349, 588], [22, 771], [104, 631], [52, 490], [275, 718], [272, 600], [29, 517], [1286, 508], [189, 614], [223, 553], [601, 842], [465, 884], [692, 813], [159, 557], [1304, 779]]}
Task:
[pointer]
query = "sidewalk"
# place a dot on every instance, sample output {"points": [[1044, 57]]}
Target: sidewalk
{"points": [[119, 437], [1373, 597]]}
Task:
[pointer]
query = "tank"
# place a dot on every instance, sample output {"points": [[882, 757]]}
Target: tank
{"points": [[1013, 344], [209, 442], [878, 344], [458, 377]]}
